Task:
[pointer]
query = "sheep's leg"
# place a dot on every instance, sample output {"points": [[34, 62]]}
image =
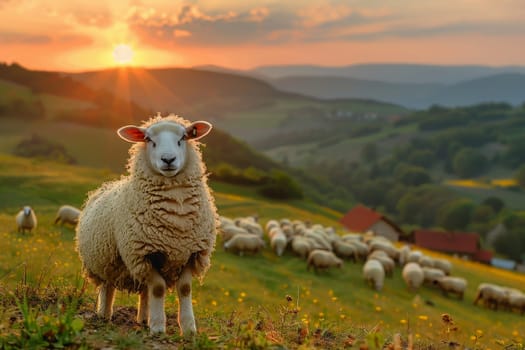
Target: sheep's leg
{"points": [[106, 295], [186, 318], [143, 310], [156, 292]]}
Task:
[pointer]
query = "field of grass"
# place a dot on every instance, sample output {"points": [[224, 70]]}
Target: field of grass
{"points": [[252, 302]]}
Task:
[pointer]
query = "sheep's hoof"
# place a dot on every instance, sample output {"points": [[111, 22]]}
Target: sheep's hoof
{"points": [[157, 329], [189, 334]]}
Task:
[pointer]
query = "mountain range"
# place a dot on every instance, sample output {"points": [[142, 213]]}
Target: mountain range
{"points": [[413, 86]]}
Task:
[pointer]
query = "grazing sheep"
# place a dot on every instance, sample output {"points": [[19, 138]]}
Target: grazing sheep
{"points": [[67, 214], [431, 274], [492, 295], [344, 250], [413, 276], [388, 248], [322, 260], [361, 248], [26, 219], [155, 228], [426, 261], [403, 254], [352, 237], [444, 265], [449, 284], [387, 262], [516, 300], [271, 224], [301, 246], [229, 230], [278, 242], [245, 243], [374, 274], [251, 225]]}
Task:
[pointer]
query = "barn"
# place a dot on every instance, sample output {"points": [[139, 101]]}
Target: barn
{"points": [[363, 219]]}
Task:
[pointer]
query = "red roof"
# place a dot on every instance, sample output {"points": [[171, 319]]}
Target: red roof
{"points": [[361, 218], [451, 242]]}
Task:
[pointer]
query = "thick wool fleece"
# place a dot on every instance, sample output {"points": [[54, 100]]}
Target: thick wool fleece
{"points": [[146, 220]]}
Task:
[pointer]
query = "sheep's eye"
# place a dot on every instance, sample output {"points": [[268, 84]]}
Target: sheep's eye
{"points": [[181, 139], [148, 139]]}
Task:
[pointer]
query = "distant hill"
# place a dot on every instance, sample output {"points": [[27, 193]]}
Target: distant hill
{"points": [[508, 87], [390, 73], [187, 91]]}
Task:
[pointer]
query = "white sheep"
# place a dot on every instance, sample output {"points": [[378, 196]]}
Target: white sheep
{"points": [[251, 225], [67, 214], [431, 274], [491, 294], [229, 230], [344, 250], [403, 254], [413, 276], [426, 261], [301, 246], [245, 243], [385, 260], [449, 284], [26, 219], [443, 264], [374, 274], [278, 242], [322, 260], [155, 228]]}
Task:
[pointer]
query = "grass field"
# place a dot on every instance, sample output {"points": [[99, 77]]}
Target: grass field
{"points": [[243, 300]]}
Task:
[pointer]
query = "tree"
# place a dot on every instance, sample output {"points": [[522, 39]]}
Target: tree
{"points": [[411, 175], [456, 215], [468, 162], [520, 176], [369, 152], [495, 203]]}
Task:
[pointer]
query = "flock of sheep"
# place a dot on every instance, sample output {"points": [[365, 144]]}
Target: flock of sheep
{"points": [[323, 248]]}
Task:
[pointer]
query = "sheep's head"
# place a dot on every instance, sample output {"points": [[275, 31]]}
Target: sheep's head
{"points": [[27, 210], [165, 143]]}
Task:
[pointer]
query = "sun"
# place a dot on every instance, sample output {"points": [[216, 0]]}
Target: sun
{"points": [[123, 54]]}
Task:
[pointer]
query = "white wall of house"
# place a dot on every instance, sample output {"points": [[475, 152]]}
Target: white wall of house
{"points": [[382, 228]]}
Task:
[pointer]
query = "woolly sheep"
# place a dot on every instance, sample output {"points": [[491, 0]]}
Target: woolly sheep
{"points": [[155, 228], [374, 274], [413, 276], [352, 236], [229, 230], [426, 261], [388, 248], [413, 256], [251, 225], [516, 300], [403, 254], [449, 284], [245, 243], [301, 246], [271, 224], [67, 214], [322, 260], [431, 274], [444, 265], [278, 242], [26, 219], [385, 260], [344, 250], [492, 295], [361, 248]]}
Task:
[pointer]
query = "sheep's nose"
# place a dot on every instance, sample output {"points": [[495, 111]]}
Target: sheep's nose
{"points": [[168, 160]]}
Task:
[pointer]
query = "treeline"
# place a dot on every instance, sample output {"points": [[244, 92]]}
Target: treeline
{"points": [[406, 183]]}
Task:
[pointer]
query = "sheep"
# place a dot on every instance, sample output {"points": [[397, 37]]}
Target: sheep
{"points": [[413, 276], [444, 265], [516, 300], [388, 248], [492, 295], [245, 242], [431, 274], [271, 224], [322, 260], [344, 250], [67, 214], [449, 284], [403, 254], [361, 248], [155, 228], [229, 230], [374, 274], [26, 219], [385, 260], [413, 256], [278, 242], [251, 225], [426, 261], [301, 246]]}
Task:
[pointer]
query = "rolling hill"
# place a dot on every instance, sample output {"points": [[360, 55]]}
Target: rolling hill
{"points": [[243, 300]]}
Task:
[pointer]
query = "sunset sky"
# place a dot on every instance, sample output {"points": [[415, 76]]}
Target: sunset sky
{"points": [[83, 35]]}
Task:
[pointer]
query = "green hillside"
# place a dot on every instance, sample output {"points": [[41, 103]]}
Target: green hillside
{"points": [[242, 303]]}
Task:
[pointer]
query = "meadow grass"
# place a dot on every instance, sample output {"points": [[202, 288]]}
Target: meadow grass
{"points": [[255, 302]]}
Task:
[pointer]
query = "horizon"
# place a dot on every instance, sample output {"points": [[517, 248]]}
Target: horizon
{"points": [[73, 36]]}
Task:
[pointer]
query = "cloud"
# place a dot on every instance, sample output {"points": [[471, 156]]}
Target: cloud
{"points": [[192, 25], [24, 38]]}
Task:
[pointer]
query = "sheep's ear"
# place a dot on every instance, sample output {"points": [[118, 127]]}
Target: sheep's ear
{"points": [[132, 133], [197, 130]]}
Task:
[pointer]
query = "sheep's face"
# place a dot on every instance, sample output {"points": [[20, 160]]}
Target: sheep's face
{"points": [[27, 211], [166, 143]]}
